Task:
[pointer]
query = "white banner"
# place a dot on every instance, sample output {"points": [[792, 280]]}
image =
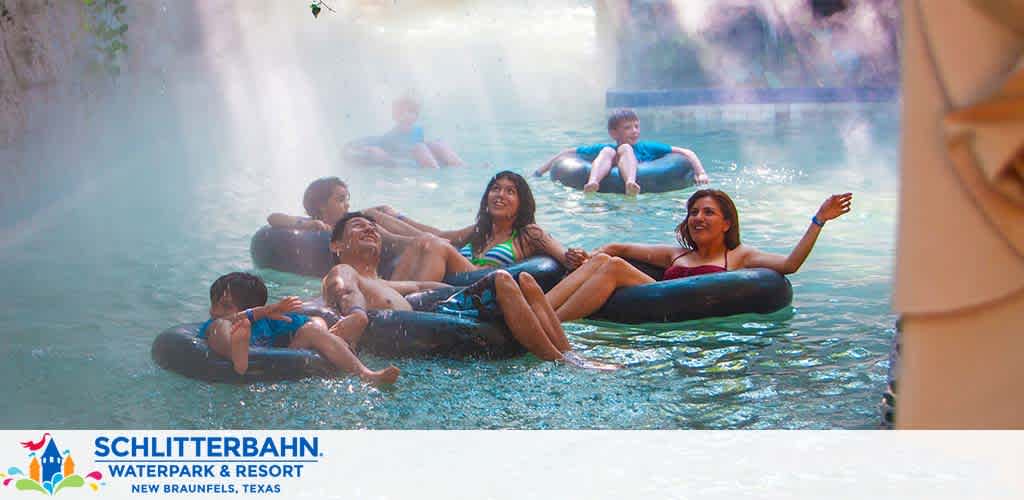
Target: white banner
{"points": [[512, 464]]}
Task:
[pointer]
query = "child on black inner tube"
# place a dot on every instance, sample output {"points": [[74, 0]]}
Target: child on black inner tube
{"points": [[626, 154], [239, 319]]}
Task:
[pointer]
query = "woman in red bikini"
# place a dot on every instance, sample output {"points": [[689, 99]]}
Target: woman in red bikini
{"points": [[709, 242]]}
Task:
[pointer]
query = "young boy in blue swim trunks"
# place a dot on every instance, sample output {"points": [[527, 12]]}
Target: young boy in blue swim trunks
{"points": [[406, 139], [239, 319], [627, 153]]}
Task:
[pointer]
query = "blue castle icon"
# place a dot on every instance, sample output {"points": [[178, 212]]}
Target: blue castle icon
{"points": [[51, 461]]}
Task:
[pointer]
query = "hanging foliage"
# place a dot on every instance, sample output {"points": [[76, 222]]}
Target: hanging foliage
{"points": [[105, 22]]}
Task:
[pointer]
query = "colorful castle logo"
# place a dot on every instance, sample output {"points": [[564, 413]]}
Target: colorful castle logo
{"points": [[49, 472]]}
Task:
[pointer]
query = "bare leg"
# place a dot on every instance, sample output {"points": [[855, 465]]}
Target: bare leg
{"points": [[589, 297], [568, 286], [429, 258], [423, 156], [234, 346], [599, 169], [627, 168], [378, 155], [525, 326], [444, 154], [553, 328], [545, 314], [350, 328], [313, 335]]}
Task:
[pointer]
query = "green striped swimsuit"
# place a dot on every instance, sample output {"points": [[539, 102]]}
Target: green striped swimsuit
{"points": [[501, 255]]}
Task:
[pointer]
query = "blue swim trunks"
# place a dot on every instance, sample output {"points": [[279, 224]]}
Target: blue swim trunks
{"points": [[396, 141], [268, 332], [479, 300], [644, 150]]}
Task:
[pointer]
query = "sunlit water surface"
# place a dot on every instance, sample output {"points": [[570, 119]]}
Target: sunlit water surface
{"points": [[116, 257], [128, 210]]}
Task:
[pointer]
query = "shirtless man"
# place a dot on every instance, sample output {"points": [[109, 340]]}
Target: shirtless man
{"points": [[353, 286]]}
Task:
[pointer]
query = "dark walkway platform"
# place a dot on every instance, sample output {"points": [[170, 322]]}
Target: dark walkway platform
{"points": [[703, 96]]}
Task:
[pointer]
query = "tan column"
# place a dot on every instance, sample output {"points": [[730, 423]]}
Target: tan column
{"points": [[960, 258]]}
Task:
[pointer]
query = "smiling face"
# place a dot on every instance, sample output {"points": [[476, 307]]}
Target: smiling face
{"points": [[336, 205], [359, 234], [706, 222], [626, 132], [503, 199]]}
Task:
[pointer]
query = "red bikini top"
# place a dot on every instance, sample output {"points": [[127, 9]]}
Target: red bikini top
{"points": [[676, 272]]}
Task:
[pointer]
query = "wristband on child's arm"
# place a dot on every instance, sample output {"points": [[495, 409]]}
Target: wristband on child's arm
{"points": [[250, 316], [816, 221]]}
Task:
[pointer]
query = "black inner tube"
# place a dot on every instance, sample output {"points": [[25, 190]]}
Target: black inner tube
{"points": [[671, 172]]}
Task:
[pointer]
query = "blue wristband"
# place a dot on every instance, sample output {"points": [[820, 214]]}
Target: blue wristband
{"points": [[250, 316], [816, 222]]}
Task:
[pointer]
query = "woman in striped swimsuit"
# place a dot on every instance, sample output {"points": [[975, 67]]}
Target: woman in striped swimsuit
{"points": [[505, 232]]}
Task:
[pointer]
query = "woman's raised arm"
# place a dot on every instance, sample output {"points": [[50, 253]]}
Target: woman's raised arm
{"points": [[833, 207]]}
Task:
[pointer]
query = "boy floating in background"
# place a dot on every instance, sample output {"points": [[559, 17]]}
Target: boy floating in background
{"points": [[404, 140], [627, 153], [239, 319]]}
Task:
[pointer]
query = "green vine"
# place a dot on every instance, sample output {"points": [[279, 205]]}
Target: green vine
{"points": [[107, 26], [317, 6]]}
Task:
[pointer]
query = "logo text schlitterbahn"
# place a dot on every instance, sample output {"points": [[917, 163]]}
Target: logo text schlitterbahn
{"points": [[205, 463]]}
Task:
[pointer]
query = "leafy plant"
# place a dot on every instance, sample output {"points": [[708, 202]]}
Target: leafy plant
{"points": [[107, 26], [316, 6]]}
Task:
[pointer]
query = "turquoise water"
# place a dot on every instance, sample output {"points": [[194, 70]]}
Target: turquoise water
{"points": [[118, 236]]}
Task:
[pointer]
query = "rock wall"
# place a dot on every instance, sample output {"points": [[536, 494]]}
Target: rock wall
{"points": [[39, 40], [750, 44]]}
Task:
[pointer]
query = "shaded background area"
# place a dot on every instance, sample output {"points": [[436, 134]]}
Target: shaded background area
{"points": [[665, 44]]}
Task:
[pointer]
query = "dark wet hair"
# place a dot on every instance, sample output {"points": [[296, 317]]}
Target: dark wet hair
{"points": [[246, 290], [524, 216], [728, 208], [317, 194], [339, 227], [621, 115]]}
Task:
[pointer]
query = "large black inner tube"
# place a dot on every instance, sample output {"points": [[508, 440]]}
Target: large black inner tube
{"points": [[352, 154], [419, 333], [545, 269], [308, 253], [304, 252], [179, 350], [671, 172], [390, 334], [756, 290], [404, 334]]}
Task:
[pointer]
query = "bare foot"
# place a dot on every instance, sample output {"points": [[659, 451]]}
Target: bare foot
{"points": [[240, 350], [591, 187], [383, 377], [571, 358], [632, 188]]}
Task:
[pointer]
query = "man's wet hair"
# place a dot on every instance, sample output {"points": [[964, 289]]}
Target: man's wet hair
{"points": [[339, 227], [246, 290], [621, 115]]}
